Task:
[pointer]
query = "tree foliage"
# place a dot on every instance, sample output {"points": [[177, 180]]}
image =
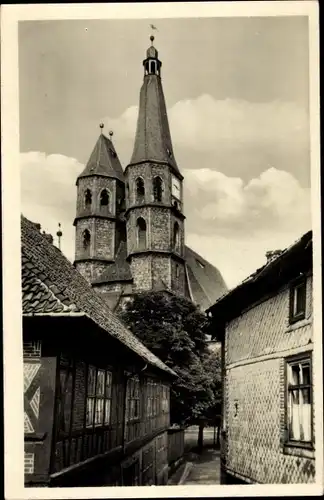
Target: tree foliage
{"points": [[174, 329]]}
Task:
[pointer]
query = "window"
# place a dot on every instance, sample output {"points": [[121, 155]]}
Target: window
{"points": [[140, 190], [157, 188], [176, 237], [87, 198], [104, 198], [165, 399], [133, 399], [177, 271], [299, 400], [98, 397], [86, 239], [141, 233], [298, 301]]}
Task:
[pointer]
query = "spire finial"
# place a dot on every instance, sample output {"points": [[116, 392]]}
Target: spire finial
{"points": [[111, 133], [101, 126], [59, 234], [152, 39]]}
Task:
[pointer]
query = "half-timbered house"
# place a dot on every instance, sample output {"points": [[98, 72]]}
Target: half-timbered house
{"points": [[266, 328], [96, 401]]}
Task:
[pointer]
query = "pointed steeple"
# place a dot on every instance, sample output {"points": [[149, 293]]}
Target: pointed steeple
{"points": [[153, 138], [103, 160]]}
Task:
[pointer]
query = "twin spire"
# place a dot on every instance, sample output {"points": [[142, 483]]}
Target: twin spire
{"points": [[152, 139]]}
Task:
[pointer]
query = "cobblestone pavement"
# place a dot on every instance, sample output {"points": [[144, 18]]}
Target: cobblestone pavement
{"points": [[205, 469]]}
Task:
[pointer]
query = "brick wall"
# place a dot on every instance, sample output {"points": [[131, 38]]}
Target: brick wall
{"points": [[160, 228], [29, 463], [141, 271], [178, 276], [91, 270], [254, 417], [161, 269], [32, 349]]}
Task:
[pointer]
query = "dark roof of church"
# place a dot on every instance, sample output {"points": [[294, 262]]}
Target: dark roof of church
{"points": [[52, 286], [153, 138], [119, 270], [206, 283], [104, 161]]}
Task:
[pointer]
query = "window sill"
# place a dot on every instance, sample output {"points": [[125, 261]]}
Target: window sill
{"points": [[294, 325], [299, 449], [296, 319]]}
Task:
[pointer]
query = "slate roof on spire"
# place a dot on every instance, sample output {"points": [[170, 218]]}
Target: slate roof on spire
{"points": [[104, 161], [153, 138]]}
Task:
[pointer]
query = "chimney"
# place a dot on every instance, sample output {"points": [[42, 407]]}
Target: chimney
{"points": [[49, 237], [272, 254]]}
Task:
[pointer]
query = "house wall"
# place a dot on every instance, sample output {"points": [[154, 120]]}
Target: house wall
{"points": [[39, 390], [254, 423]]}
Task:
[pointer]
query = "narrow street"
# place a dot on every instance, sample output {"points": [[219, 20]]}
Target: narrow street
{"points": [[198, 468], [205, 469]]}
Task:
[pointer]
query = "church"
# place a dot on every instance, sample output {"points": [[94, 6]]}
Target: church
{"points": [[130, 223]]}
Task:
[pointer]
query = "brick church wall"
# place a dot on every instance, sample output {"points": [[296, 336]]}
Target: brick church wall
{"points": [[256, 345]]}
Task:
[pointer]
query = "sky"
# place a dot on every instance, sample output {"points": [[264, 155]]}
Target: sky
{"points": [[237, 96]]}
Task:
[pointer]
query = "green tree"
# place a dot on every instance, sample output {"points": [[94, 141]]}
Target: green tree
{"points": [[174, 329]]}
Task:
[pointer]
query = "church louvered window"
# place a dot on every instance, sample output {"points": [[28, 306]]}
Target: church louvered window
{"points": [[157, 188], [104, 198], [141, 233], [176, 237], [88, 198], [140, 190], [86, 240]]}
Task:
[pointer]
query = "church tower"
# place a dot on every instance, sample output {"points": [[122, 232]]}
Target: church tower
{"points": [[154, 193], [100, 210]]}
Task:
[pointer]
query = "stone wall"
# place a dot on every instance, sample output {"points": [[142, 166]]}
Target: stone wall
{"points": [[256, 346]]}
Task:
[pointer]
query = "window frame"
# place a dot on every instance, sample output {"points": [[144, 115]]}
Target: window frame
{"points": [[129, 399], [101, 194], [105, 397], [158, 189], [139, 198], [139, 231], [297, 283], [289, 362]]}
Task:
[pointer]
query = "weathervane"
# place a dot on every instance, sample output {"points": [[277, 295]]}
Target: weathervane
{"points": [[59, 234], [153, 28]]}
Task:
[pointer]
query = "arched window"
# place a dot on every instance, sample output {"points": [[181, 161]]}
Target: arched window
{"points": [[140, 190], [87, 198], [176, 237], [141, 233], [104, 198], [157, 188], [86, 240], [153, 67]]}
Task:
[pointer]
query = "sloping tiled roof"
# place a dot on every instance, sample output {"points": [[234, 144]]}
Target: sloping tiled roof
{"points": [[118, 270], [153, 139], [205, 281], [39, 295], [104, 161], [48, 267]]}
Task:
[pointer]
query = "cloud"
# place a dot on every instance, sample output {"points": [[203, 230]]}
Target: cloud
{"points": [[48, 193], [232, 223], [224, 204], [204, 123]]}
